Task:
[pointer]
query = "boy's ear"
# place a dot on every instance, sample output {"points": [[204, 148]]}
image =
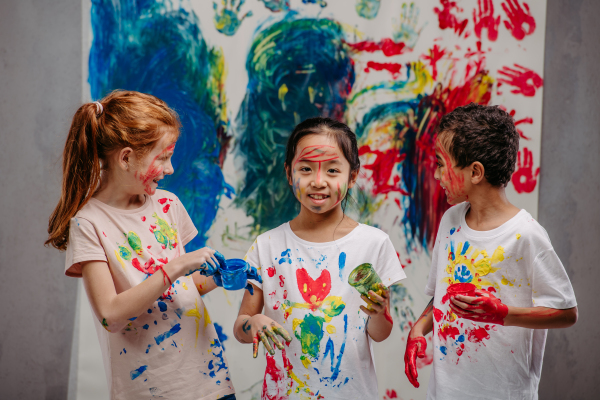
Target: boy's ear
{"points": [[477, 172]]}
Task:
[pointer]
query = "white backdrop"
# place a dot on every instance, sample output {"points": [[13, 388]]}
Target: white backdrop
{"points": [[510, 63]]}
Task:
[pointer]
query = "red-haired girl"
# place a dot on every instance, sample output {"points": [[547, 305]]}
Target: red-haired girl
{"points": [[126, 239]]}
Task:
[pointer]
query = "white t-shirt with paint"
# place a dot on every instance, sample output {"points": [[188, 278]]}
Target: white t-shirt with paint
{"points": [[516, 262], [172, 349], [305, 289]]}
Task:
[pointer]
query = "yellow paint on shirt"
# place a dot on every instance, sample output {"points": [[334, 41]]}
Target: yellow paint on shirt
{"points": [[505, 281], [331, 329], [184, 286], [120, 259], [518, 236]]}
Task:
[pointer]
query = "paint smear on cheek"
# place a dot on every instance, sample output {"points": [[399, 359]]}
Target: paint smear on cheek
{"points": [[453, 182], [153, 170]]}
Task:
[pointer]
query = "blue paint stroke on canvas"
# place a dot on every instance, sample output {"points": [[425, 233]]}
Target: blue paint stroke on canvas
{"points": [[153, 47]]}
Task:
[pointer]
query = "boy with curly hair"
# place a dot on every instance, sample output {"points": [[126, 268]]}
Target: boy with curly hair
{"points": [[497, 283]]}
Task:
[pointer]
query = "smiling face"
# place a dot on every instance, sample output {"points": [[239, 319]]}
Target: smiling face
{"points": [[453, 180], [155, 165], [319, 173]]}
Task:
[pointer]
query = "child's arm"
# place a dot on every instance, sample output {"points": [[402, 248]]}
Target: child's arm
{"points": [[380, 323], [251, 326], [204, 284], [114, 310], [416, 343], [488, 308]]}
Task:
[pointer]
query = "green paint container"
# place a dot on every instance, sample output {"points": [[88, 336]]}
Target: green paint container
{"points": [[364, 278]]}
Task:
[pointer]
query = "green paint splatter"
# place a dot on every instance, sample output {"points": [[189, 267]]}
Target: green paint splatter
{"points": [[105, 324], [124, 253], [165, 234], [135, 242], [311, 333]]}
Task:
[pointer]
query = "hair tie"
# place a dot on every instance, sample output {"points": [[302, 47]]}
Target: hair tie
{"points": [[99, 108]]}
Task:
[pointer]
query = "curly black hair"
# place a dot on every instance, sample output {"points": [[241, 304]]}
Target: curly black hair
{"points": [[482, 133]]}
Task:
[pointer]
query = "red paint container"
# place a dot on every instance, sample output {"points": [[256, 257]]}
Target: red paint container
{"points": [[463, 289]]}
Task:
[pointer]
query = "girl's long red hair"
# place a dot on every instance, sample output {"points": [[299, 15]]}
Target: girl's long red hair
{"points": [[128, 119]]}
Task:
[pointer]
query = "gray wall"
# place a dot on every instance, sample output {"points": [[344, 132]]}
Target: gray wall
{"points": [[41, 87], [570, 189]]}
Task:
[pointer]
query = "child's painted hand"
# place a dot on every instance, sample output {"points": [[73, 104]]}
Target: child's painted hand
{"points": [[265, 329], [200, 260], [415, 347], [378, 303], [484, 308]]}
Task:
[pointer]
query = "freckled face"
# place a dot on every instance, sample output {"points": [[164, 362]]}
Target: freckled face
{"points": [[155, 165], [319, 173], [452, 179]]}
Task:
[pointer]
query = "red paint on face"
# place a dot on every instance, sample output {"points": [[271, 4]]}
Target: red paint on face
{"points": [[477, 335], [313, 291], [271, 271], [154, 171], [387, 46], [450, 180], [447, 19], [517, 18]]}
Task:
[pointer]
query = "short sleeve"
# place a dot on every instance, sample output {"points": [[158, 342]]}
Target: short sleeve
{"points": [[186, 227], [550, 284], [388, 265], [84, 245], [252, 257]]}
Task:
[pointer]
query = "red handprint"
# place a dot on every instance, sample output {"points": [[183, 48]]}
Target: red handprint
{"points": [[518, 17], [523, 79], [524, 179], [483, 17], [447, 19], [435, 55]]}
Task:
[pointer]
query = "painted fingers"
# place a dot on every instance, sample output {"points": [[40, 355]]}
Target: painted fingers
{"points": [[415, 347], [376, 301], [266, 333]]}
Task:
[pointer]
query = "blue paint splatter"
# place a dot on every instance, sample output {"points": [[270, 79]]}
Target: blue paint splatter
{"points": [[149, 311], [220, 334], [156, 48], [219, 363], [462, 274], [443, 349], [329, 349], [460, 339], [342, 264], [465, 248], [160, 338], [162, 306], [286, 257], [452, 231], [137, 372], [146, 326]]}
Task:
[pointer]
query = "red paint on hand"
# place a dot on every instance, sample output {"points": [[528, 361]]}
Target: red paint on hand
{"points": [[271, 271], [483, 17], [485, 308], [313, 291], [415, 347], [524, 80], [517, 18], [447, 19], [524, 178]]}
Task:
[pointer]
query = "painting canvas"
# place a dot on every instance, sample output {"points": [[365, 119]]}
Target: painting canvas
{"points": [[241, 74]]}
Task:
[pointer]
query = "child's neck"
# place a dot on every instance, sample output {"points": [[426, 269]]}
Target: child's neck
{"points": [[320, 228], [489, 209], [112, 194]]}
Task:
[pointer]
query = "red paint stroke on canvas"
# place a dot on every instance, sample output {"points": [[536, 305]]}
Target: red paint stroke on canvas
{"points": [[517, 17], [392, 68], [524, 178], [435, 54], [447, 18], [483, 17], [387, 46], [383, 167], [524, 80]]}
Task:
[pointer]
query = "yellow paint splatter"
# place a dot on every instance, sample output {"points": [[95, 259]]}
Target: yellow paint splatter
{"points": [[467, 258], [518, 236], [311, 94], [306, 362], [120, 259], [505, 281], [195, 313], [184, 285], [283, 89], [331, 329]]}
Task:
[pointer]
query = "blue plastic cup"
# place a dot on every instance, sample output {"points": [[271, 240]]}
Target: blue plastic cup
{"points": [[233, 274]]}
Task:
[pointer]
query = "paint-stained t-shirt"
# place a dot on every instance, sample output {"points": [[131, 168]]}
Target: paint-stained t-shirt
{"points": [[171, 350], [305, 289], [517, 264]]}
